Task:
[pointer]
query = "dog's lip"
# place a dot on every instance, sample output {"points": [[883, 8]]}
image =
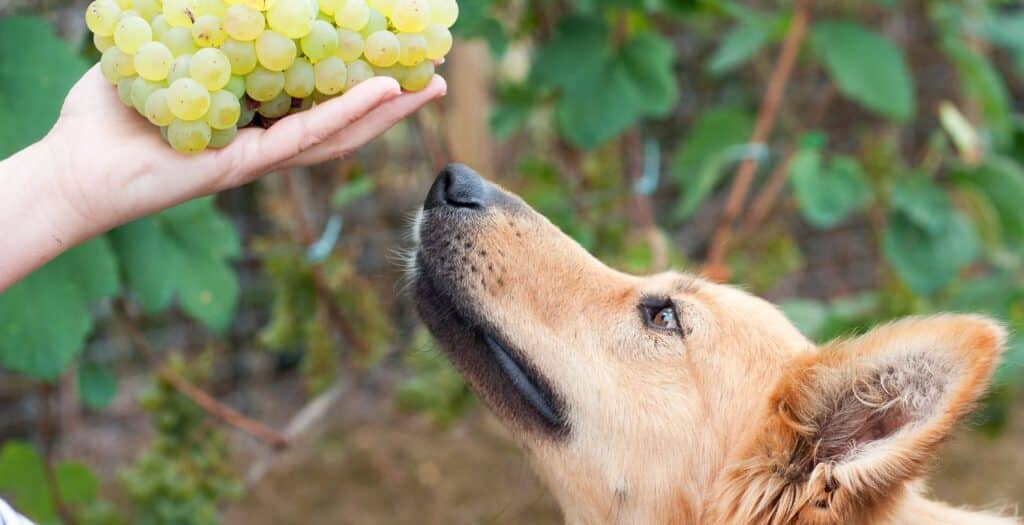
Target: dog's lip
{"points": [[526, 386]]}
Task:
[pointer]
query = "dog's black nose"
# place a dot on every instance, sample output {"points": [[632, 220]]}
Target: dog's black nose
{"points": [[458, 186]]}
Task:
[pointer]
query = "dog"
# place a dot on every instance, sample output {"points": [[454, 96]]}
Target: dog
{"points": [[671, 399]]}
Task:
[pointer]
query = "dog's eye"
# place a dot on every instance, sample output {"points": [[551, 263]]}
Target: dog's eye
{"points": [[661, 314], [666, 318]]}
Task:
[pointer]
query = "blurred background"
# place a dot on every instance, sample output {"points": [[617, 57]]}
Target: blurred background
{"points": [[854, 161]]}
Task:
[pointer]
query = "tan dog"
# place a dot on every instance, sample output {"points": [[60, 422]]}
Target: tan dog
{"points": [[668, 399]]}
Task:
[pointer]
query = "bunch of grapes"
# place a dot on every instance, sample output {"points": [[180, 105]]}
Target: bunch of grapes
{"points": [[202, 69]]}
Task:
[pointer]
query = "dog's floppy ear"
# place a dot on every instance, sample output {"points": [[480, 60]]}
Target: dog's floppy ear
{"points": [[848, 426]]}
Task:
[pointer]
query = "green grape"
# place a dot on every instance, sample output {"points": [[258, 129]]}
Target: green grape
{"points": [[131, 33], [331, 76], [377, 22], [102, 43], [153, 61], [386, 7], [179, 41], [259, 5], [321, 42], [102, 16], [304, 104], [147, 9], [157, 110], [276, 107], [114, 65], [411, 16], [444, 12], [275, 52], [124, 4], [350, 45], [439, 41], [382, 49], [211, 68], [241, 55], [243, 23], [396, 72], [358, 71], [300, 79], [236, 86], [224, 110], [413, 48], [328, 8], [141, 90], [179, 13], [215, 8], [159, 26], [352, 14], [188, 99], [262, 84], [124, 90], [245, 118], [220, 138], [208, 31], [291, 18], [179, 68], [188, 136], [418, 76], [320, 98]]}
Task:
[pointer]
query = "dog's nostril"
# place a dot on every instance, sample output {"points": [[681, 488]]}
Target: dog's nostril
{"points": [[463, 188]]}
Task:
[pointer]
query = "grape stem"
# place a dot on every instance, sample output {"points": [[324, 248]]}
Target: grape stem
{"points": [[715, 268], [256, 429]]}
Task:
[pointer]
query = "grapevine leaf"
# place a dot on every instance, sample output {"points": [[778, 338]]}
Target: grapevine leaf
{"points": [[866, 67], [711, 145], [826, 196], [808, 315], [982, 83], [96, 385], [22, 474], [45, 318], [1002, 181], [76, 483], [738, 47], [928, 260], [33, 80], [184, 250]]}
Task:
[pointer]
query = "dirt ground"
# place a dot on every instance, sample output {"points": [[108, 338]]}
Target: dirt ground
{"points": [[395, 469]]}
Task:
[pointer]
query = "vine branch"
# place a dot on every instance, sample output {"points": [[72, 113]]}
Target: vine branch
{"points": [[715, 267]]}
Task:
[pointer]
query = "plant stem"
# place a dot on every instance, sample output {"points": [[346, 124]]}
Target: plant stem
{"points": [[48, 440]]}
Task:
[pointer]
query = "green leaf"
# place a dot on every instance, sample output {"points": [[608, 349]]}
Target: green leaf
{"points": [[76, 482], [738, 47], [36, 72], [709, 147], [97, 385], [866, 67], [983, 84], [1002, 181], [352, 191], [926, 260], [22, 474], [476, 21], [184, 250], [924, 203], [807, 315], [827, 196], [45, 318]]}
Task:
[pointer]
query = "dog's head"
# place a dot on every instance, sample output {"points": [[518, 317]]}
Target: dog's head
{"points": [[671, 399]]}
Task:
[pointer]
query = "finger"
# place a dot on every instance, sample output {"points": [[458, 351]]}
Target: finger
{"points": [[254, 151], [362, 131]]}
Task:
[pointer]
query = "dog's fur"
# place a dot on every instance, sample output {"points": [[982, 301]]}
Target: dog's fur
{"points": [[734, 418]]}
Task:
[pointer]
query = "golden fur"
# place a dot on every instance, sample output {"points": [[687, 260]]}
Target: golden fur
{"points": [[737, 419]]}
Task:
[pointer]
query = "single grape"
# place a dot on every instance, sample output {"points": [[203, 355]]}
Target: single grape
{"points": [[211, 68], [141, 90], [444, 12], [208, 31], [377, 22], [321, 42], [248, 113], [157, 110], [114, 65], [276, 107], [243, 23], [300, 79], [350, 45], [275, 52], [179, 13], [124, 90], [396, 72], [411, 16], [124, 4], [188, 99], [179, 68], [328, 8], [439, 41], [215, 8], [413, 48], [241, 55], [147, 9], [352, 14], [102, 43], [220, 138], [418, 76], [188, 137], [291, 18], [236, 86], [304, 104], [131, 33], [331, 76], [224, 110], [382, 49], [259, 5], [179, 41], [153, 61], [262, 84], [159, 26], [102, 16], [320, 98], [358, 71], [386, 7]]}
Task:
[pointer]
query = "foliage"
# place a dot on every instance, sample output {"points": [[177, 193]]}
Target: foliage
{"points": [[23, 474]]}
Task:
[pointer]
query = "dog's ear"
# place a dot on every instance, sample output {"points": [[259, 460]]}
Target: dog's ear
{"points": [[848, 426]]}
